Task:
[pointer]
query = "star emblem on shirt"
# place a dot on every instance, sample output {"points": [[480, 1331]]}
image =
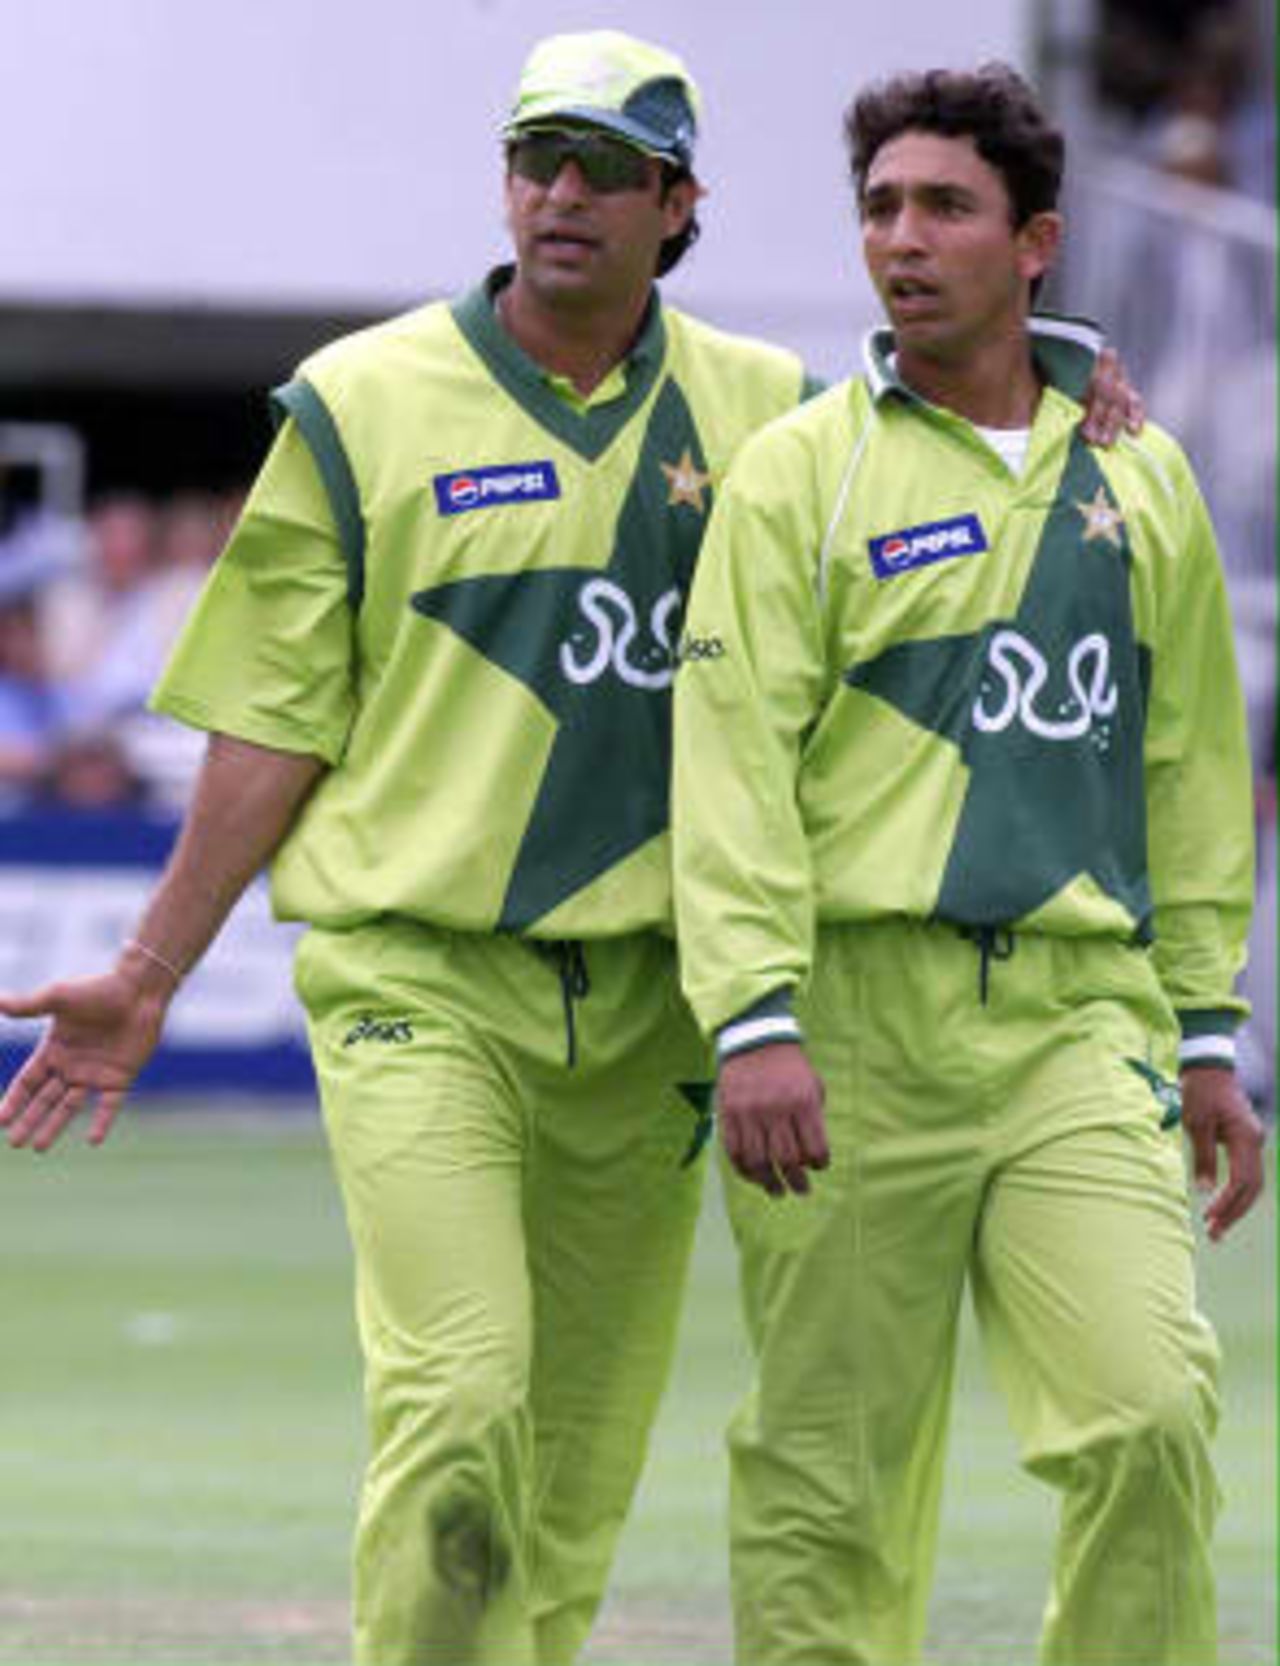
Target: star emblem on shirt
{"points": [[686, 481], [1102, 519]]}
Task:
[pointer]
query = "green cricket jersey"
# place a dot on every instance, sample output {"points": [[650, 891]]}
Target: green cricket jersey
{"points": [[915, 685], [462, 590]]}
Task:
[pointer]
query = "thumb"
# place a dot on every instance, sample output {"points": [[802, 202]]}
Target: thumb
{"points": [[40, 1004]]}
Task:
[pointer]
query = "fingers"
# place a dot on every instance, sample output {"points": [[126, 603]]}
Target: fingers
{"points": [[744, 1144], [788, 1165], [1100, 427], [58, 1117], [41, 1102], [1245, 1179], [1104, 410], [815, 1152], [777, 1154], [1112, 404], [48, 1108], [54, 1105], [1202, 1134], [104, 1116], [1217, 1115], [1230, 1205], [39, 1075]]}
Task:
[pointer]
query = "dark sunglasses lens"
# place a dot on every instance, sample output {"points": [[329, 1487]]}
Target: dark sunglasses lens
{"points": [[539, 157], [606, 165], [609, 166]]}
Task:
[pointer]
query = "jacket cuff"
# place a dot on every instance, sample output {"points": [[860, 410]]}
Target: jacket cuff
{"points": [[768, 1021], [1208, 1039]]}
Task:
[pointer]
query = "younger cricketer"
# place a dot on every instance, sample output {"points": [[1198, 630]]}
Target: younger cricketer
{"points": [[963, 868]]}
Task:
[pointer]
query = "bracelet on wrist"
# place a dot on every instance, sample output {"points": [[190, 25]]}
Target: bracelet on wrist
{"points": [[148, 953]]}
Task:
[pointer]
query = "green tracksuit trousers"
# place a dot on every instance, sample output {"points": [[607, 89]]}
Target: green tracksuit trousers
{"points": [[521, 1227], [1015, 1145]]}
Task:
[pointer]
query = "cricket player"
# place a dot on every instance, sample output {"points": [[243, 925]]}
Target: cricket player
{"points": [[963, 870], [435, 662]]}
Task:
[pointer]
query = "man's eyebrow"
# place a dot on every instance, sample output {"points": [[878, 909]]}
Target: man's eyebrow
{"points": [[919, 188]]}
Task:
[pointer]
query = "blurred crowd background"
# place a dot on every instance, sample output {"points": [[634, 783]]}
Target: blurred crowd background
{"points": [[89, 606], [128, 434]]}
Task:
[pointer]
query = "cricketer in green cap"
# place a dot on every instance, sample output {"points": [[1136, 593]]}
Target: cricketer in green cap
{"points": [[611, 81]]}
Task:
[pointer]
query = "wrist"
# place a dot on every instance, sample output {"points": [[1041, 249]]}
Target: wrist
{"points": [[1208, 1039], [154, 971], [765, 1024]]}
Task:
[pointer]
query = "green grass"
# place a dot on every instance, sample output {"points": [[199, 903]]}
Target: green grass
{"points": [[182, 1437]]}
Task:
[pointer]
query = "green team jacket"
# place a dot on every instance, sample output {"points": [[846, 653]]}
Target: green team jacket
{"points": [[915, 685], [462, 591]]}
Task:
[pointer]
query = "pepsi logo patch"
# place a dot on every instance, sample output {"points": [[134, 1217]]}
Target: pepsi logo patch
{"points": [[921, 546], [489, 488]]}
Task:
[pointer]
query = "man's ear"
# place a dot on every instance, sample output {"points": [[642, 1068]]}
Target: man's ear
{"points": [[1039, 241], [679, 202]]}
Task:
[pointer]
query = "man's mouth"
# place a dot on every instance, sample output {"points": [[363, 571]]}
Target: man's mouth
{"points": [[907, 288], [913, 300], [563, 240]]}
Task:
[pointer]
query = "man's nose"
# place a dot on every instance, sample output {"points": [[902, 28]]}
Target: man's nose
{"points": [[570, 183], [907, 228]]}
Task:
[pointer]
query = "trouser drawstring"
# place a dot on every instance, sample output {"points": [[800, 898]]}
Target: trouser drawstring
{"points": [[570, 959], [992, 943]]}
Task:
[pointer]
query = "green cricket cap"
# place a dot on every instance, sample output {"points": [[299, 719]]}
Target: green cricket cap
{"points": [[608, 80]]}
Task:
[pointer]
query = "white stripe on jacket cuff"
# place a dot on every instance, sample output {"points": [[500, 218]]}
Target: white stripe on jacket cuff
{"points": [[1207, 1049], [746, 1033]]}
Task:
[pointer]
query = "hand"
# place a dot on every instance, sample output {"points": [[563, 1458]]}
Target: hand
{"points": [[1215, 1112], [771, 1117], [104, 1030], [1111, 402]]}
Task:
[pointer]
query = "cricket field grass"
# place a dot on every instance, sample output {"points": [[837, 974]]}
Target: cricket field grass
{"points": [[182, 1437]]}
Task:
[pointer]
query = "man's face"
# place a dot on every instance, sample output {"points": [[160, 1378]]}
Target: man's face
{"points": [[949, 266], [582, 246]]}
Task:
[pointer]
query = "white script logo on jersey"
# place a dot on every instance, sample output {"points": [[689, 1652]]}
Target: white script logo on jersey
{"points": [[1020, 674], [610, 632]]}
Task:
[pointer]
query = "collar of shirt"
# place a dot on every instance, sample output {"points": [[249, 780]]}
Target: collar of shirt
{"points": [[1064, 350]]}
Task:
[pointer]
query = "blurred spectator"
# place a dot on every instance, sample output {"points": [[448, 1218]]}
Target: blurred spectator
{"points": [[110, 628], [1194, 78], [31, 710], [95, 619], [1141, 46], [191, 529], [91, 772], [1191, 135]]}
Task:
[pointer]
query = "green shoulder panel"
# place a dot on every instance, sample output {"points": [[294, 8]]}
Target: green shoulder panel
{"points": [[299, 400]]}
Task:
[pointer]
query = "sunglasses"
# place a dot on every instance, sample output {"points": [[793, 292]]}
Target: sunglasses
{"points": [[606, 164]]}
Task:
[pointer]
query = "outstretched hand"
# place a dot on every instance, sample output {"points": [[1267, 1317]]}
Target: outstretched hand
{"points": [[103, 1030]]}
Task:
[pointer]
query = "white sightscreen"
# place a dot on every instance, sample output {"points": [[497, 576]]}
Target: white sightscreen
{"points": [[304, 152]]}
